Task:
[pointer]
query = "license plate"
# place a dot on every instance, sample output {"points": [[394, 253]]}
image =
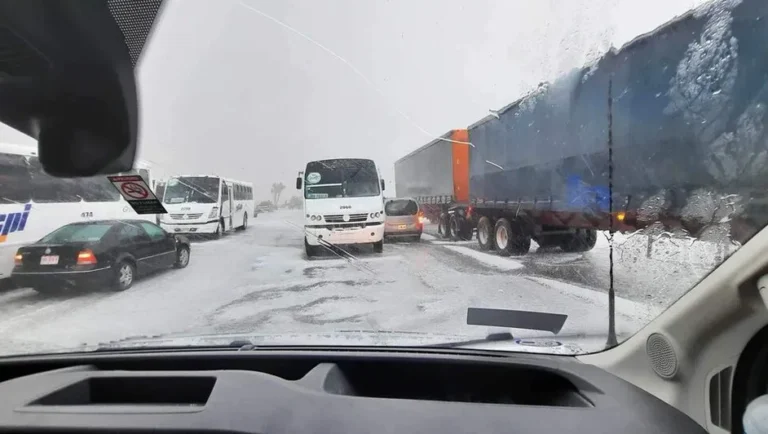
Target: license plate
{"points": [[402, 226], [49, 260]]}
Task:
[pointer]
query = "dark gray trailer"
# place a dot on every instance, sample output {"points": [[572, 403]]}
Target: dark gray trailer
{"points": [[669, 130]]}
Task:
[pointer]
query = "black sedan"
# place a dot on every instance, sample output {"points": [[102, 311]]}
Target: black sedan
{"points": [[102, 254]]}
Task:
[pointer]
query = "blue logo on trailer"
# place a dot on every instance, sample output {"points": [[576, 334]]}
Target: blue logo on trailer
{"points": [[584, 196], [13, 222]]}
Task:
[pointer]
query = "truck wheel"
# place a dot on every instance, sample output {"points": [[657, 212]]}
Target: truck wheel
{"points": [[548, 241], [581, 241], [511, 240], [310, 250], [455, 228], [466, 230], [485, 234], [443, 228]]}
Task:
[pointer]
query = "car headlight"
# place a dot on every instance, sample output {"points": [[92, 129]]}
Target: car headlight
{"points": [[214, 213]]}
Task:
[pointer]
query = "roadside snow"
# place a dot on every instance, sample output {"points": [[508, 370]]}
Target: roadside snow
{"points": [[487, 258]]}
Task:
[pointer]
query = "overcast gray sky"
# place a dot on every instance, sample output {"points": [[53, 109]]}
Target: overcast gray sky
{"points": [[227, 88]]}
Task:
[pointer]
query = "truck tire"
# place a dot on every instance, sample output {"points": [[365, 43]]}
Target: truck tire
{"points": [[581, 241], [455, 228], [485, 234], [510, 240], [548, 241], [443, 226], [466, 230]]}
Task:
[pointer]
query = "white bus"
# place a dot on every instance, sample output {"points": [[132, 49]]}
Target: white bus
{"points": [[32, 203], [206, 204], [343, 203]]}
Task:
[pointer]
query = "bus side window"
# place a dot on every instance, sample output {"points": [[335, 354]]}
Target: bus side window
{"points": [[15, 179], [98, 189], [48, 189]]}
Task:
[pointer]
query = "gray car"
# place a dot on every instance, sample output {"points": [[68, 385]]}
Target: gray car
{"points": [[403, 219]]}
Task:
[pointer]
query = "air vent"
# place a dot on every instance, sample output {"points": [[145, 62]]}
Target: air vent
{"points": [[720, 398], [662, 355]]}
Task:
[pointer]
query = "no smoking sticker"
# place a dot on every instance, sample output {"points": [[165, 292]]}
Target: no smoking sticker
{"points": [[137, 193]]}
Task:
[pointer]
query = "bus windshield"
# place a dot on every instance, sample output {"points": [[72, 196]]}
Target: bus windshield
{"points": [[341, 178], [192, 189]]}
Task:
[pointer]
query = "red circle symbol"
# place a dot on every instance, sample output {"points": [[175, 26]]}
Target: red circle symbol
{"points": [[134, 191]]}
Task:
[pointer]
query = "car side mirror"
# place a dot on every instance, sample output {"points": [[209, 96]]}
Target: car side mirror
{"points": [[298, 183], [382, 185]]}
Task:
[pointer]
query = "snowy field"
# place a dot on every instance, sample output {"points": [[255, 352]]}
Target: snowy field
{"points": [[260, 282]]}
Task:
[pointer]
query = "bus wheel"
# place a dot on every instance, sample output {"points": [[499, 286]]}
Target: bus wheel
{"points": [[511, 240], [245, 222], [378, 247], [310, 250], [219, 231], [485, 234]]}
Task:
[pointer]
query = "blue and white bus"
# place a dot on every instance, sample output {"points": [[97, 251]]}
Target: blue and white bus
{"points": [[33, 203]]}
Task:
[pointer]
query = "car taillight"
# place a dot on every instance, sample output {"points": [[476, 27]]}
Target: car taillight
{"points": [[17, 259], [86, 257], [469, 212]]}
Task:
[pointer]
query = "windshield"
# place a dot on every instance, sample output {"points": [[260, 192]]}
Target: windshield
{"points": [[76, 233], [403, 173], [341, 178], [396, 208], [191, 189]]}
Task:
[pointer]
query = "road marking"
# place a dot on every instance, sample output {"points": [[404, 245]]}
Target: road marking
{"points": [[489, 259]]}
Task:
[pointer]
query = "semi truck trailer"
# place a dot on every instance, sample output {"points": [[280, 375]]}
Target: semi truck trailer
{"points": [[668, 132]]}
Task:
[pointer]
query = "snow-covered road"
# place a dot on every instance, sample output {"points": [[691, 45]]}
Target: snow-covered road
{"points": [[259, 281]]}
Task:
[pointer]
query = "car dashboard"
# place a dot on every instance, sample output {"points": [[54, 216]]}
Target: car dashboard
{"points": [[351, 390]]}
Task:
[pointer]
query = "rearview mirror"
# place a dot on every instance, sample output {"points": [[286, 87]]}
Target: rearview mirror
{"points": [[382, 185], [298, 183], [71, 83]]}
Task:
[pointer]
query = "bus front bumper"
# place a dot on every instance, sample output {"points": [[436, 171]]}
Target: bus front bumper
{"points": [[341, 236], [208, 227]]}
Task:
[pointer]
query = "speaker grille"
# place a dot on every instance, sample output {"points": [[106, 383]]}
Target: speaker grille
{"points": [[662, 355]]}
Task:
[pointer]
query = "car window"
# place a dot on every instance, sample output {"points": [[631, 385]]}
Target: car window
{"points": [[401, 208], [77, 233], [130, 232], [155, 232]]}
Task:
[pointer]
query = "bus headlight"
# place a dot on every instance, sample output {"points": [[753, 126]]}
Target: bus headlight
{"points": [[214, 213], [316, 218], [375, 215]]}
